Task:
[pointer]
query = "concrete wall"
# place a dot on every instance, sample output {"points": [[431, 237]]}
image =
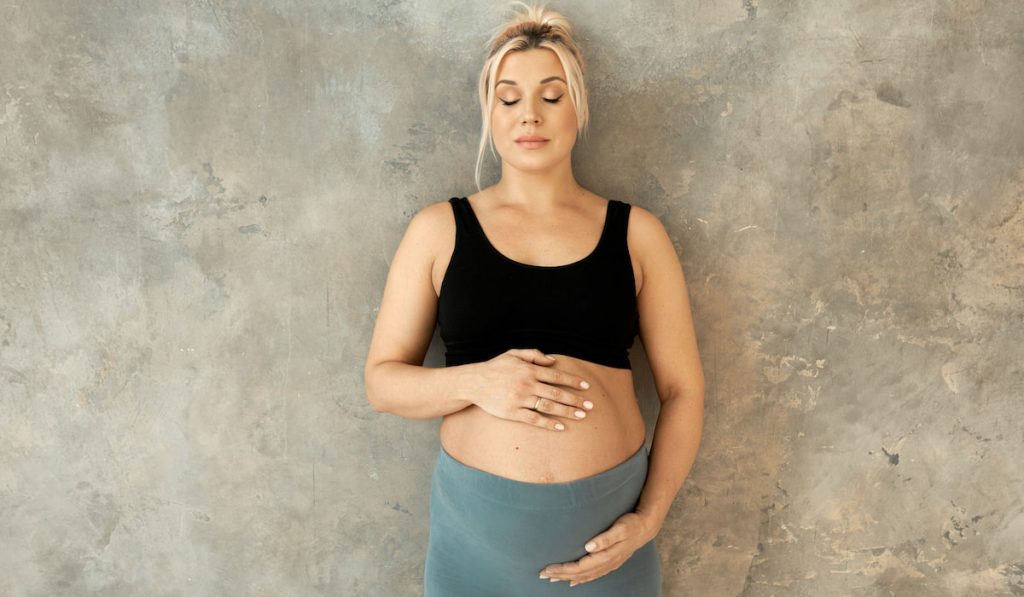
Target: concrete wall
{"points": [[199, 202]]}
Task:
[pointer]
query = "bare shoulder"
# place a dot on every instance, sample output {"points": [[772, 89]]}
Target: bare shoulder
{"points": [[430, 228], [435, 224], [427, 243], [649, 242], [644, 221], [434, 216]]}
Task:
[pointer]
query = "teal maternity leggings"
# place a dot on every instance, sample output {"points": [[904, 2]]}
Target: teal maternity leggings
{"points": [[490, 536]]}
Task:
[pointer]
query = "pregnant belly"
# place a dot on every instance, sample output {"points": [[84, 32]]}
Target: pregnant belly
{"points": [[610, 433]]}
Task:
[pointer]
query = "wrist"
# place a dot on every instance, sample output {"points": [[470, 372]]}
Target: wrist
{"points": [[652, 522], [462, 383]]}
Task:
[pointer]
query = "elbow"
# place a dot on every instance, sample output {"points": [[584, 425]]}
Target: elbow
{"points": [[695, 394], [376, 405], [692, 392], [693, 389], [371, 396]]}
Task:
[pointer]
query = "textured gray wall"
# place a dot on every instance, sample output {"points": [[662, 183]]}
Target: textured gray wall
{"points": [[199, 203]]}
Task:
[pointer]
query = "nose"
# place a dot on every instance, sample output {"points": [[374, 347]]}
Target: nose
{"points": [[529, 115]]}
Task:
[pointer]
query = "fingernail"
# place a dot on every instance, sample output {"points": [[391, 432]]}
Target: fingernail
{"points": [[555, 579], [542, 576], [580, 413], [588, 404], [584, 385], [590, 546]]}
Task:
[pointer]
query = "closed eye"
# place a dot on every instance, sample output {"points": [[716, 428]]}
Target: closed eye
{"points": [[550, 101]]}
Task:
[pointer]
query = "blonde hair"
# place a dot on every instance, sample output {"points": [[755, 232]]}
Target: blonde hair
{"points": [[535, 27]]}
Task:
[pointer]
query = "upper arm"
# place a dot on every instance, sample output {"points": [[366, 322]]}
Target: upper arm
{"points": [[666, 321], [408, 310]]}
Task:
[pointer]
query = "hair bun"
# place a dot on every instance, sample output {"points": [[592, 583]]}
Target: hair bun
{"points": [[534, 21]]}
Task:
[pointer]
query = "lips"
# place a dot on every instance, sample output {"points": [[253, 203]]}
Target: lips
{"points": [[530, 138], [532, 144]]}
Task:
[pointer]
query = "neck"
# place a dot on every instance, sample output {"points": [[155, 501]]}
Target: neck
{"points": [[540, 189]]}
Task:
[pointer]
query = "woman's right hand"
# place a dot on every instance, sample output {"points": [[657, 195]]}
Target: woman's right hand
{"points": [[509, 385]]}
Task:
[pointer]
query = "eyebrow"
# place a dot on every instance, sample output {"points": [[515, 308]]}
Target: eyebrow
{"points": [[543, 81]]}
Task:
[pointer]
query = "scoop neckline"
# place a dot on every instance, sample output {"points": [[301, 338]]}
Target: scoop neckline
{"points": [[588, 257]]}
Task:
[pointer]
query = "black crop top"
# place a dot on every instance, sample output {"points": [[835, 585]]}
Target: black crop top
{"points": [[490, 303]]}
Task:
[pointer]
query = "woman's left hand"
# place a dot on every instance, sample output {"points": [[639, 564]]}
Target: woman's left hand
{"points": [[608, 551]]}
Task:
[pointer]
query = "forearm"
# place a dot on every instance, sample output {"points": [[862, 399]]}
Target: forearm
{"points": [[673, 450], [415, 392]]}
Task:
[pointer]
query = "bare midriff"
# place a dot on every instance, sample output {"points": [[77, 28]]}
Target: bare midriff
{"points": [[610, 433]]}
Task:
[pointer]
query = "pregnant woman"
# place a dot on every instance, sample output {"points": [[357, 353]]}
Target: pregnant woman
{"points": [[540, 287]]}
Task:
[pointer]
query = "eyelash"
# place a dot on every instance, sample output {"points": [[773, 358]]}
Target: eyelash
{"points": [[550, 101]]}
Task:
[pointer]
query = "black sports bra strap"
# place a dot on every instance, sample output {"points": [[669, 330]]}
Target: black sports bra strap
{"points": [[620, 220], [466, 232]]}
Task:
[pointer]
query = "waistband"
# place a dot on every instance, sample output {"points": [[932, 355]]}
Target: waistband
{"points": [[464, 479]]}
